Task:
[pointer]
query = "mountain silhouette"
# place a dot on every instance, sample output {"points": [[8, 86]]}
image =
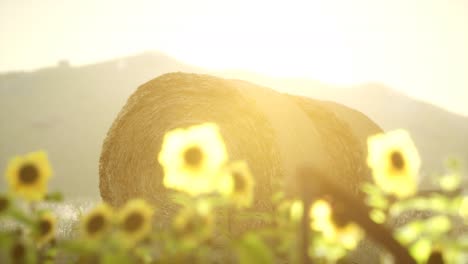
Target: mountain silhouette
{"points": [[68, 110]]}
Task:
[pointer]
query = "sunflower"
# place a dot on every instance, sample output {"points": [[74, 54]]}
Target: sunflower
{"points": [[46, 228], [237, 183], [135, 220], [27, 176], [333, 228], [97, 222], [395, 162], [194, 224], [192, 157]]}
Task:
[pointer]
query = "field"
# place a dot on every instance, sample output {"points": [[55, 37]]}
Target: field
{"points": [[215, 218]]}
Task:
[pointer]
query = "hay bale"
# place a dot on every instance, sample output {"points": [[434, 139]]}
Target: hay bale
{"points": [[274, 132], [345, 132]]}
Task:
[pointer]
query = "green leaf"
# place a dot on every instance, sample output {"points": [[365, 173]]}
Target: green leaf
{"points": [[78, 246], [377, 201], [115, 258], [371, 189], [453, 164], [296, 210], [375, 197], [322, 249], [409, 232], [181, 199], [252, 250], [417, 203], [277, 197], [144, 254], [463, 207], [421, 250], [438, 203], [21, 217], [54, 197], [450, 182], [437, 225], [377, 216]]}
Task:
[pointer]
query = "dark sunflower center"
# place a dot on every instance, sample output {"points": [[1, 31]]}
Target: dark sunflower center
{"points": [[239, 182], [18, 251], [44, 227], [339, 219], [193, 156], [339, 216], [28, 174], [397, 160], [436, 258], [133, 222], [95, 224], [4, 203], [191, 226]]}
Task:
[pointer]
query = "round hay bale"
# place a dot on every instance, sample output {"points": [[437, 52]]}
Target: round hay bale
{"points": [[345, 132], [273, 132]]}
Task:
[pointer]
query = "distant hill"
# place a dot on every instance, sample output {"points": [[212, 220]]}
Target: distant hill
{"points": [[67, 111]]}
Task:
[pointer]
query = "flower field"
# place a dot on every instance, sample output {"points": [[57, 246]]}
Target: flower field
{"points": [[215, 220]]}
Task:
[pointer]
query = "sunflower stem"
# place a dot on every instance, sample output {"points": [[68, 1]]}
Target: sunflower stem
{"points": [[33, 207], [304, 230], [230, 220]]}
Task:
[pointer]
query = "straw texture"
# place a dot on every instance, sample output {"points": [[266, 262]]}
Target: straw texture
{"points": [[276, 133]]}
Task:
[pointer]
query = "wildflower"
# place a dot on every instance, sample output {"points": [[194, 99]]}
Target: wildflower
{"points": [[333, 228], [135, 220], [395, 162], [237, 183], [97, 222], [46, 228], [27, 176], [191, 158], [194, 225]]}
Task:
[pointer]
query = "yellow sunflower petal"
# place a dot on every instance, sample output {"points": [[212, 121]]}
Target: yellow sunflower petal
{"points": [[28, 175], [192, 157], [395, 162]]}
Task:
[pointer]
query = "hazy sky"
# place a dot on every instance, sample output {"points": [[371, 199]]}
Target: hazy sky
{"points": [[416, 46]]}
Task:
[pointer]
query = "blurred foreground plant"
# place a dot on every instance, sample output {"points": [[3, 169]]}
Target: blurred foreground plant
{"points": [[214, 221]]}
